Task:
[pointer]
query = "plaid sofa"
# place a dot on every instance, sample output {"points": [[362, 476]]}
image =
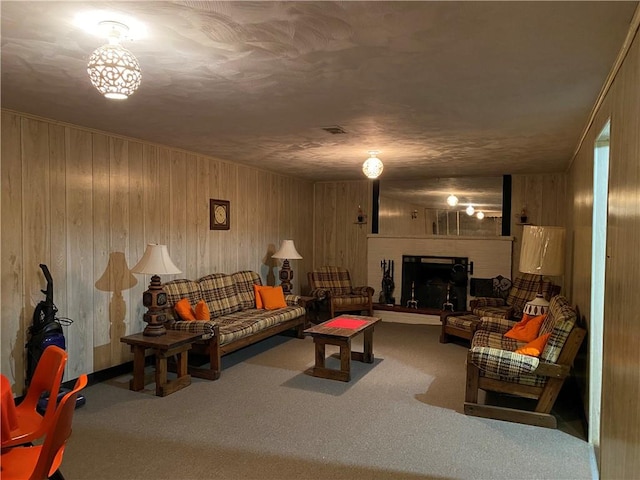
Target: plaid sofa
{"points": [[234, 322], [333, 285], [495, 354], [524, 288]]}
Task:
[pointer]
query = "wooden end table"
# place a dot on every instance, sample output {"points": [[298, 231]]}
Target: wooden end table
{"points": [[163, 346], [339, 331]]}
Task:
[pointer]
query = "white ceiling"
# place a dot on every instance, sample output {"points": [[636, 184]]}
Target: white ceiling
{"points": [[440, 89]]}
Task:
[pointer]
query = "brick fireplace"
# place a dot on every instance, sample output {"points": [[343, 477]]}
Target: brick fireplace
{"points": [[490, 256]]}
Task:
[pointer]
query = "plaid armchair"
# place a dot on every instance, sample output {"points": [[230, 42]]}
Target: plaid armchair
{"points": [[333, 285], [494, 365]]}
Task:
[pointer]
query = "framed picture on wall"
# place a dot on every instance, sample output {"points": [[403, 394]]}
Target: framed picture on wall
{"points": [[219, 214]]}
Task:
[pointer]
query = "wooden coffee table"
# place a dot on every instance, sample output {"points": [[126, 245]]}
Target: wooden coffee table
{"points": [[339, 331], [164, 346]]}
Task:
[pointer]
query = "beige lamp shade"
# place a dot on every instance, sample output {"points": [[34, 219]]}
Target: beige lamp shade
{"points": [[155, 261], [542, 250], [288, 251]]}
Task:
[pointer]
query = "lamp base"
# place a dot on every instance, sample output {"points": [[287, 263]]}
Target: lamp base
{"points": [[537, 306], [155, 299], [286, 275]]}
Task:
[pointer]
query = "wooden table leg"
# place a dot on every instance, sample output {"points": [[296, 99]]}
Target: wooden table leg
{"points": [[137, 382], [320, 352], [165, 387], [345, 360], [161, 372]]}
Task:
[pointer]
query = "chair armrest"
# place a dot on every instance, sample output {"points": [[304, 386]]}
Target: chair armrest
{"points": [[320, 293], [448, 313], [208, 328], [502, 362], [495, 324], [486, 302], [362, 291]]}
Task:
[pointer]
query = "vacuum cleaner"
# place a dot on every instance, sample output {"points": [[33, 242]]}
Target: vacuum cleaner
{"points": [[46, 330]]}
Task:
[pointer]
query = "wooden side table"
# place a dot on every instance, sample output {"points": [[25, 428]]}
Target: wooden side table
{"points": [[163, 346]]}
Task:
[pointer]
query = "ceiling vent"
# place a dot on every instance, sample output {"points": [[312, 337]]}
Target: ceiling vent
{"points": [[334, 129]]}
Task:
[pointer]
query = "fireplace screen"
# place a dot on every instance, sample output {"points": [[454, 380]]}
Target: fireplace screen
{"points": [[432, 282]]}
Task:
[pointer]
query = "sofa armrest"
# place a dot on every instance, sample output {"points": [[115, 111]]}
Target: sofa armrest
{"points": [[486, 302], [207, 328], [362, 291], [292, 300], [502, 362], [495, 324]]}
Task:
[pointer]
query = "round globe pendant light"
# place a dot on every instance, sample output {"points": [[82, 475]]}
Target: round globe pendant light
{"points": [[112, 69], [372, 167], [452, 200]]}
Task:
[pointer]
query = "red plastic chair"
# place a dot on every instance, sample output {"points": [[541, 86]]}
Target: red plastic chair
{"points": [[43, 461], [46, 378]]}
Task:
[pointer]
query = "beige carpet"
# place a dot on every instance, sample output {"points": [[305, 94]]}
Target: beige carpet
{"points": [[399, 418]]}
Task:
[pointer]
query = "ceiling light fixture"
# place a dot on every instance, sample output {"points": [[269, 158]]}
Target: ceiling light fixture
{"points": [[452, 200], [480, 215], [112, 69], [372, 167], [470, 210]]}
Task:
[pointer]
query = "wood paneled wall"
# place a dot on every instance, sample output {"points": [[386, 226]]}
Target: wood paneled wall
{"points": [[544, 199], [337, 239], [86, 203], [395, 218], [620, 420]]}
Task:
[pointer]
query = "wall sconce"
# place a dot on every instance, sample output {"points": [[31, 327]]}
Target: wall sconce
{"points": [[452, 200], [470, 210], [414, 214], [361, 217], [480, 215]]}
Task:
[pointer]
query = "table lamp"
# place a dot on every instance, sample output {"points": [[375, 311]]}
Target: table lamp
{"points": [[287, 252], [155, 262], [542, 253]]}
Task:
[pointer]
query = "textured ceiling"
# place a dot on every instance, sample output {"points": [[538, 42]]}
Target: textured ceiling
{"points": [[440, 89]]}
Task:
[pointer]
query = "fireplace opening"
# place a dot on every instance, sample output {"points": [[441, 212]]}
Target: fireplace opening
{"points": [[432, 282]]}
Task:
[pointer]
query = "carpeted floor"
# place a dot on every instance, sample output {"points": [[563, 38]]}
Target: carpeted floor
{"points": [[399, 418]]}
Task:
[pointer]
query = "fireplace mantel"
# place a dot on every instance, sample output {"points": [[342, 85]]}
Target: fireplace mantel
{"points": [[491, 256]]}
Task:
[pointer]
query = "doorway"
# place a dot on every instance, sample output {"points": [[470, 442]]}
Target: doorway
{"points": [[598, 269]]}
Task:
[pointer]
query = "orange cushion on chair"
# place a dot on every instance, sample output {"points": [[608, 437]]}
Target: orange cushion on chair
{"points": [[184, 310], [527, 329], [202, 311], [273, 298], [256, 291], [535, 347]]}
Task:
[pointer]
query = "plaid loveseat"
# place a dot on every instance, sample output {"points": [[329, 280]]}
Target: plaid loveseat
{"points": [[493, 365], [234, 322]]}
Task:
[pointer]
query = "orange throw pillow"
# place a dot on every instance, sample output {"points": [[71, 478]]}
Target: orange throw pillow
{"points": [[527, 329], [256, 292], [273, 298], [184, 310], [202, 311], [535, 347]]}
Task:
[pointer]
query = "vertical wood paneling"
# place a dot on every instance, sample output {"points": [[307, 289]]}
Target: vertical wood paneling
{"points": [[14, 320], [36, 221], [106, 302], [136, 240], [80, 273], [337, 239], [91, 203]]}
